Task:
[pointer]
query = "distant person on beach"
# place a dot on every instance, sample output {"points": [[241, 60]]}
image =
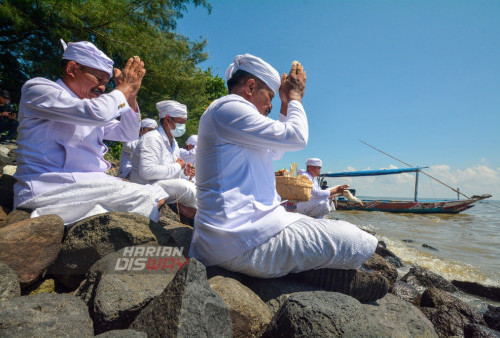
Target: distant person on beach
{"points": [[157, 159], [240, 224], [8, 118], [60, 154], [320, 203], [129, 147], [188, 152]]}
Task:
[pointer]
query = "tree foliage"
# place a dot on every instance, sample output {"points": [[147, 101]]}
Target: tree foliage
{"points": [[29, 39]]}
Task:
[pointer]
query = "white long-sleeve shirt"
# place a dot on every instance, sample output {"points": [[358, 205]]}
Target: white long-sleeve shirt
{"points": [[154, 159], [319, 204], [61, 136], [126, 158], [238, 206]]}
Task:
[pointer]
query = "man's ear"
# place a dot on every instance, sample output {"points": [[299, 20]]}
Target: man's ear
{"points": [[71, 69], [250, 86]]}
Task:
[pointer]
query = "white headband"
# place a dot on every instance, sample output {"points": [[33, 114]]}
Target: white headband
{"points": [[314, 162], [171, 108], [85, 53], [255, 66], [192, 140], [148, 123]]}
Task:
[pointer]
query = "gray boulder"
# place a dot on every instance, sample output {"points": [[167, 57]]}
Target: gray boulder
{"points": [[422, 278], [323, 314], [187, 307], [115, 295], [388, 255], [492, 317], [249, 314], [490, 292], [448, 314], [93, 238], [30, 246], [400, 318], [45, 315], [122, 334], [406, 292], [480, 331], [9, 283], [379, 264]]}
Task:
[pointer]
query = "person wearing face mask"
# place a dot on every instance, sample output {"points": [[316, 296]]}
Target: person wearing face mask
{"points": [[128, 148], [157, 159], [62, 124]]}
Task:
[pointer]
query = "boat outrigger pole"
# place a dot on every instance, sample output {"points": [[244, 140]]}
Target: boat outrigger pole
{"points": [[409, 165]]}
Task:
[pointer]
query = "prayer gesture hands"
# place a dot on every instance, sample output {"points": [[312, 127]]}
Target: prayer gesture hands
{"points": [[130, 78], [293, 85]]}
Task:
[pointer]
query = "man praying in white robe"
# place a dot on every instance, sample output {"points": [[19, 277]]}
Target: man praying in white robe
{"points": [[128, 148], [320, 203], [157, 159], [240, 224], [61, 167]]}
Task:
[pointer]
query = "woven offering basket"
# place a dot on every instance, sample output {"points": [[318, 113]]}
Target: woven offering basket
{"points": [[294, 188]]}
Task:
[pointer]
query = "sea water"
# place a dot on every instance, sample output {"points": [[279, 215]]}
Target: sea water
{"points": [[464, 246]]}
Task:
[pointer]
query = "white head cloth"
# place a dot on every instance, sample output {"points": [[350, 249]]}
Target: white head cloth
{"points": [[314, 162], [85, 53], [255, 66], [171, 108], [192, 140], [148, 123]]}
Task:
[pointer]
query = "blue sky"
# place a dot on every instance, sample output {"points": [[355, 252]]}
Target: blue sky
{"points": [[417, 79]]}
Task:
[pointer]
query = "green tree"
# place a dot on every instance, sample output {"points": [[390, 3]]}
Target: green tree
{"points": [[31, 29]]}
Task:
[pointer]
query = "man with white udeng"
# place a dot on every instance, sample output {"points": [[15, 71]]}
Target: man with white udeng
{"points": [[60, 153], [188, 153], [128, 148], [320, 203], [240, 224], [156, 158]]}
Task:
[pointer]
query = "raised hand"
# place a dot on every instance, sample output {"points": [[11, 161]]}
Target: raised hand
{"points": [[293, 85], [129, 80]]}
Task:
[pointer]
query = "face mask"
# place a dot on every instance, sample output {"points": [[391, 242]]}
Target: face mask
{"points": [[180, 129]]}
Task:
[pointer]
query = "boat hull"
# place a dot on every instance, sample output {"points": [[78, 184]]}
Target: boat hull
{"points": [[419, 207]]}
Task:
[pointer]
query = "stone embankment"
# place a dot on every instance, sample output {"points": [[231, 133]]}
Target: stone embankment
{"points": [[122, 275]]}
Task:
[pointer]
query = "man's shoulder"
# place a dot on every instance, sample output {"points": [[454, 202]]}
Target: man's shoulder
{"points": [[230, 104], [39, 81]]}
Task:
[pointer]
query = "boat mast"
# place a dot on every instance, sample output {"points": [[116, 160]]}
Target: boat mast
{"points": [[416, 184]]}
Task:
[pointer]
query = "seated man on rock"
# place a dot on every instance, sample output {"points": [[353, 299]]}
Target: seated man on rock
{"points": [[129, 147], [188, 152], [320, 203], [157, 159], [61, 167], [240, 224]]}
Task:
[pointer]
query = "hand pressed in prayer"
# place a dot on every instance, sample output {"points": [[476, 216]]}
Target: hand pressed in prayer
{"points": [[130, 78], [293, 85], [189, 170]]}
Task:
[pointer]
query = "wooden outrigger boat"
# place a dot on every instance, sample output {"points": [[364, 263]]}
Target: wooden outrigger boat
{"points": [[401, 206]]}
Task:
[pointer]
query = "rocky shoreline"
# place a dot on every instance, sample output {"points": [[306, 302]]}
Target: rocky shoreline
{"points": [[122, 275]]}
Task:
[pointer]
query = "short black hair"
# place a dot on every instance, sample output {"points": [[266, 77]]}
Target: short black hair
{"points": [[240, 77], [5, 94]]}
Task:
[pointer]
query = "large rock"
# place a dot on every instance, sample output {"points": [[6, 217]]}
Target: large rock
{"points": [[323, 314], [45, 315], [406, 292], [30, 246], [249, 314], [7, 191], [480, 331], [93, 238], [14, 217], [9, 169], [422, 278], [401, 318], [3, 215], [377, 263], [492, 317], [123, 334], [9, 283], [186, 308], [275, 291], [116, 294], [388, 255], [448, 314], [490, 292]]}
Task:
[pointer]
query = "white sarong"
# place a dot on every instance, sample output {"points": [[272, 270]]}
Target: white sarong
{"points": [[179, 190], [74, 202], [307, 244]]}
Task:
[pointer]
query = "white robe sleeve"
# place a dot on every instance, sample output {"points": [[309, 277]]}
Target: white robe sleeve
{"points": [[127, 129], [45, 99], [238, 122], [149, 151]]}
